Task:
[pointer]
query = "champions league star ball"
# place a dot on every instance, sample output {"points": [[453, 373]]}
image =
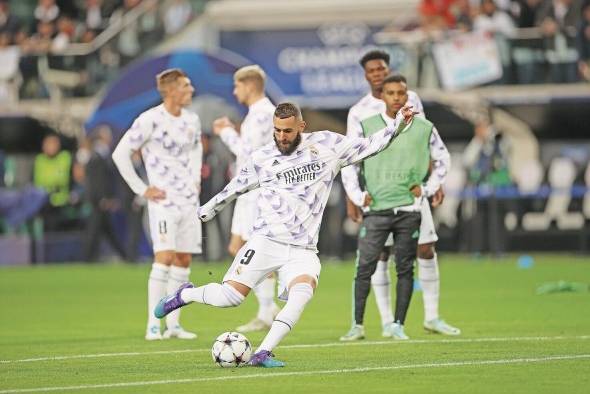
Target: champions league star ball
{"points": [[231, 349]]}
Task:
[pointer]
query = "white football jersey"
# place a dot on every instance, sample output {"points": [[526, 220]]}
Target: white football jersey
{"points": [[294, 188], [256, 131], [172, 154]]}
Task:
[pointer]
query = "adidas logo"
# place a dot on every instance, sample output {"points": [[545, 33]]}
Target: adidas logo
{"points": [[275, 163]]}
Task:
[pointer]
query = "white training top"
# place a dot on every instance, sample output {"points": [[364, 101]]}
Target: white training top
{"points": [[256, 130], [294, 188], [172, 154]]}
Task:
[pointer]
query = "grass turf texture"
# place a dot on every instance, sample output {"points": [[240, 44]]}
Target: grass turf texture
{"points": [[513, 340]]}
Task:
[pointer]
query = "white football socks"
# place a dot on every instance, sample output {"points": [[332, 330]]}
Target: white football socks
{"points": [[381, 283], [430, 283], [156, 290], [176, 277], [216, 294], [299, 296], [265, 292]]}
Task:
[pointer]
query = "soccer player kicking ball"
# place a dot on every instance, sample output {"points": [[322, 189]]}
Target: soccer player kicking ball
{"points": [[294, 176], [169, 138], [255, 131]]}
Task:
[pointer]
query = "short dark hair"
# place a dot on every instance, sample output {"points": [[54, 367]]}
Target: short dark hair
{"points": [[395, 78], [286, 110], [374, 55]]}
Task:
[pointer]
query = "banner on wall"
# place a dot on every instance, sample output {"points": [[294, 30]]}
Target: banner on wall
{"points": [[467, 60], [314, 67]]}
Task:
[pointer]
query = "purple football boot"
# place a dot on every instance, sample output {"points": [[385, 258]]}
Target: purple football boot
{"points": [[265, 359], [171, 302]]}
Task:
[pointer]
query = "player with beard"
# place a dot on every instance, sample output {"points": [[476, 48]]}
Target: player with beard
{"points": [[294, 176]]}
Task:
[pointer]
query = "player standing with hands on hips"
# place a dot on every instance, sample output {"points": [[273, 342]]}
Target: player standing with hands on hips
{"points": [[169, 139]]}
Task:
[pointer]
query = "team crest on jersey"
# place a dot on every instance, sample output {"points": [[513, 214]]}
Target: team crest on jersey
{"points": [[313, 150], [238, 270]]}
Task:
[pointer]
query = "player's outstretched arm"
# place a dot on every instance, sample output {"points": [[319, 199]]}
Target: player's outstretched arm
{"points": [[354, 150], [246, 180]]}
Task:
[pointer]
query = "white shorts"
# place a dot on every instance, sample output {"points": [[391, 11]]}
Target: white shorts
{"points": [[427, 231], [176, 228], [244, 216], [261, 256]]}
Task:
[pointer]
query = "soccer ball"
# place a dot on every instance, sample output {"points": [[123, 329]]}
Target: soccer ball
{"points": [[231, 349]]}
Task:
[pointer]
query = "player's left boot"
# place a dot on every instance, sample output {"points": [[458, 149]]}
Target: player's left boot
{"points": [[439, 326], [265, 359], [356, 332], [387, 331], [171, 302], [253, 325], [178, 332]]}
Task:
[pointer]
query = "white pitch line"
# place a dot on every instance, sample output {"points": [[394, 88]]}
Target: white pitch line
{"points": [[303, 373], [305, 346]]}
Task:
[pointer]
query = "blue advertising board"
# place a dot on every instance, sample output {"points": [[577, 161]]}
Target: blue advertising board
{"points": [[315, 67]]}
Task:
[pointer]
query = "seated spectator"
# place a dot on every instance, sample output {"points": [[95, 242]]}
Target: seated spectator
{"points": [[65, 34], [52, 173], [94, 16]]}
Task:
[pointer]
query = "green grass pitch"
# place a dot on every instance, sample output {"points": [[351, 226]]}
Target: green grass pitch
{"points": [[79, 328]]}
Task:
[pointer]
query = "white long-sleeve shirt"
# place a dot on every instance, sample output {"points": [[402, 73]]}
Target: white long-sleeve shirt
{"points": [[294, 188], [172, 154], [256, 131]]}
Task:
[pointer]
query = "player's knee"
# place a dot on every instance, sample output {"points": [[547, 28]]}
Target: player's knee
{"points": [[233, 296], [426, 251], [165, 257], [365, 270], [183, 260]]}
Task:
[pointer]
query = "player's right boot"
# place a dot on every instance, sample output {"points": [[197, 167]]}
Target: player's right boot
{"points": [[171, 302], [356, 332], [387, 331], [265, 359], [178, 332], [397, 332], [153, 333]]}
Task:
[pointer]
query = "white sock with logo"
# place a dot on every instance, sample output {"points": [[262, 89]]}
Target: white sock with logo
{"points": [[156, 290], [176, 277], [430, 283], [299, 295]]}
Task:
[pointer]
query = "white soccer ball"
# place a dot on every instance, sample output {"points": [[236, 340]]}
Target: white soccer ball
{"points": [[231, 349]]}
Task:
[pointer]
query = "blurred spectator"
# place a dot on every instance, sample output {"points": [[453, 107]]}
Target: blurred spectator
{"points": [[65, 34], [493, 20], [525, 12], [127, 45], [94, 16], [46, 11], [40, 41], [10, 77], [177, 13], [486, 160], [559, 20], [498, 23], [100, 192], [150, 26], [9, 24], [436, 15], [52, 173], [464, 15], [583, 38], [486, 156]]}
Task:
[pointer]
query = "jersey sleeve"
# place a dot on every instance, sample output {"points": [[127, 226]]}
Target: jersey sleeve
{"points": [[441, 163], [350, 181], [354, 150], [246, 180]]}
